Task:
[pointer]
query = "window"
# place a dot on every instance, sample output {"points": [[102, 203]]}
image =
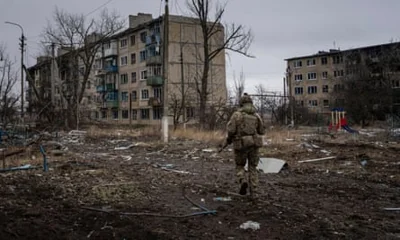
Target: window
{"points": [[115, 114], [143, 55], [325, 88], [310, 62], [124, 96], [312, 89], [324, 75], [134, 96], [144, 113], [298, 90], [298, 77], [157, 113], [112, 96], [143, 75], [123, 78], [338, 73], [326, 103], [300, 103], [124, 60], [134, 114], [133, 58], [88, 84], [133, 77], [123, 43], [144, 94], [156, 70], [125, 114], [324, 60], [143, 36], [157, 92], [312, 103], [298, 64], [312, 76], [338, 87], [337, 59], [132, 40], [104, 114]]}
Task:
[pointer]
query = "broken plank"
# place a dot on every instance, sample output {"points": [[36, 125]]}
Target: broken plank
{"points": [[316, 159], [392, 209]]}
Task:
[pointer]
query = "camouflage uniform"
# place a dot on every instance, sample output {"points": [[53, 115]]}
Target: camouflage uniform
{"points": [[245, 130]]}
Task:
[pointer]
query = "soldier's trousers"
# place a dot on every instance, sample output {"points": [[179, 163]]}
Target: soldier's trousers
{"points": [[250, 154]]}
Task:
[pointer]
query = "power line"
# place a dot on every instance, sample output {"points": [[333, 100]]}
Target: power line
{"points": [[98, 8]]}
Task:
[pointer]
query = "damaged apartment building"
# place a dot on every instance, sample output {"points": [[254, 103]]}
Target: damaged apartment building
{"points": [[126, 81], [317, 81]]}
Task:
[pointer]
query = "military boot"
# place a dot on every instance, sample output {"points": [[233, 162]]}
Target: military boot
{"points": [[243, 187]]}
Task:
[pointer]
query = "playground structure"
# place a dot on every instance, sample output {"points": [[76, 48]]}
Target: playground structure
{"points": [[339, 121]]}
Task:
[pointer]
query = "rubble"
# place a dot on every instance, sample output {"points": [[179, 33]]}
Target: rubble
{"points": [[144, 179]]}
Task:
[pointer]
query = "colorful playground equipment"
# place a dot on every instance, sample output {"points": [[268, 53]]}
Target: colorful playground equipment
{"points": [[339, 121]]}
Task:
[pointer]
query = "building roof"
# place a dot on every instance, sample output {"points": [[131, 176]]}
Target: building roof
{"points": [[336, 51]]}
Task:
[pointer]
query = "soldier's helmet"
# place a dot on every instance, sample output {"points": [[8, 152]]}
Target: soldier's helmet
{"points": [[245, 99]]}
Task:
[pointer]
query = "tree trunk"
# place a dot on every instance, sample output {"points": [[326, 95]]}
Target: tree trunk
{"points": [[204, 85]]}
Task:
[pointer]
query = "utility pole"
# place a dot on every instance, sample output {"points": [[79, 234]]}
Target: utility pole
{"points": [[130, 109], [165, 74], [53, 75], [183, 105], [22, 48], [284, 100], [22, 44]]}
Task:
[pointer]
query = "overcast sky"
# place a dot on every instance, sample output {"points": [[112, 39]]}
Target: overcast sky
{"points": [[282, 28]]}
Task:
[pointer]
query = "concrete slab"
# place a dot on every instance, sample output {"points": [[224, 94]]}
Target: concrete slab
{"points": [[270, 165]]}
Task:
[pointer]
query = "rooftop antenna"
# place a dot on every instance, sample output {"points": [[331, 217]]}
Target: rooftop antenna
{"points": [[334, 44]]}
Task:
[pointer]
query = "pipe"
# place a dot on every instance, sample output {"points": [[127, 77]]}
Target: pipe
{"points": [[45, 165]]}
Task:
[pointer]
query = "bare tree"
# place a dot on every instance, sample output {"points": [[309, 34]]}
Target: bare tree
{"points": [[83, 38], [268, 103], [8, 98], [238, 86], [236, 38]]}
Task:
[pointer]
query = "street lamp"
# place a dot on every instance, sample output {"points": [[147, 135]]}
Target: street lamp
{"points": [[22, 45]]}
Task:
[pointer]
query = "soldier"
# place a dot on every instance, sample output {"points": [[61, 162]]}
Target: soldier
{"points": [[245, 130]]}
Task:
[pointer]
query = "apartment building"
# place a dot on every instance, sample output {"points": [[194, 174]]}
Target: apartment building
{"points": [[126, 83], [41, 78], [314, 80]]}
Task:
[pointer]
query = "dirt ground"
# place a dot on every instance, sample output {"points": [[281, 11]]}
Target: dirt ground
{"points": [[97, 192]]}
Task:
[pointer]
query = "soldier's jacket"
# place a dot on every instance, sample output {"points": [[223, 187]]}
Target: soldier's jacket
{"points": [[245, 128]]}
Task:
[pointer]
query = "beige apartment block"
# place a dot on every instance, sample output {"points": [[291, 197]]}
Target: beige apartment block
{"points": [[129, 80], [314, 80]]}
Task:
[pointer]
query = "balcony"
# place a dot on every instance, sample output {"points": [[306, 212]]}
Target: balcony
{"points": [[111, 69], [112, 51], [153, 39], [154, 102], [99, 72], [111, 87], [100, 88], [112, 104], [154, 81], [154, 60]]}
